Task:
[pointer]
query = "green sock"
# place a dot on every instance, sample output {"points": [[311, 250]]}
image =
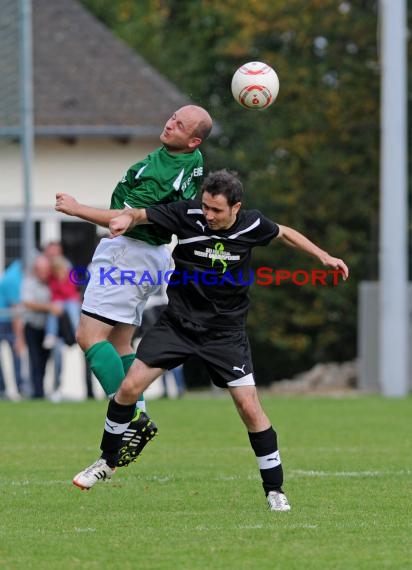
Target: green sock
{"points": [[106, 365], [128, 360]]}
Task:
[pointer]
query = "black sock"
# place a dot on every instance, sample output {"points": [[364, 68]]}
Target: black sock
{"points": [[265, 446], [117, 421]]}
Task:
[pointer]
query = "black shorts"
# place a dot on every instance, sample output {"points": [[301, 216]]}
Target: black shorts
{"points": [[226, 354]]}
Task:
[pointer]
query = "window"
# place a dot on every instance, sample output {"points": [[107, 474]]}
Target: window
{"points": [[13, 240]]}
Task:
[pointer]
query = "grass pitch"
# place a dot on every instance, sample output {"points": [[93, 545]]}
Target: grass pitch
{"points": [[193, 501]]}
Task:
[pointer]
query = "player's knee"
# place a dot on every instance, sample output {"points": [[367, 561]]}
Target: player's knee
{"points": [[84, 340], [252, 414], [87, 337], [247, 412], [129, 390], [80, 338]]}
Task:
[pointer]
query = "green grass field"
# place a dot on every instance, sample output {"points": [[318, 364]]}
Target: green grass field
{"points": [[194, 499]]}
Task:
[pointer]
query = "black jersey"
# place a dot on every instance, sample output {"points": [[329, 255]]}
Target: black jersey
{"points": [[212, 275]]}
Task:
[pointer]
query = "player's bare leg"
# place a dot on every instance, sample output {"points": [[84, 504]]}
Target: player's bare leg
{"points": [[263, 440]]}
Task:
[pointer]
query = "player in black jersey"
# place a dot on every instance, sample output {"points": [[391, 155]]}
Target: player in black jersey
{"points": [[206, 316]]}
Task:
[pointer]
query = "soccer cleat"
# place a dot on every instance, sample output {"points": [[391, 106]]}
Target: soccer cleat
{"points": [[277, 501], [99, 471], [140, 431]]}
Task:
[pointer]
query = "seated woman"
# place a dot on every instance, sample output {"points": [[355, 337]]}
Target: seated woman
{"points": [[63, 292]]}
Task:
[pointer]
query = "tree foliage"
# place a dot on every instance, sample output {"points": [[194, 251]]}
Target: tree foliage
{"points": [[310, 161]]}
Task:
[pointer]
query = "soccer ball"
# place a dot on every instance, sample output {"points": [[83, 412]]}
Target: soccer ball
{"points": [[255, 85]]}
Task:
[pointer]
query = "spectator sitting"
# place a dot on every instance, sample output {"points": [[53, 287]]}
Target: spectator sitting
{"points": [[63, 293], [51, 250], [35, 296]]}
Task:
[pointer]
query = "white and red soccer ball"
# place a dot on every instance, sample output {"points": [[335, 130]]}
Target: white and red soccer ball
{"points": [[255, 85]]}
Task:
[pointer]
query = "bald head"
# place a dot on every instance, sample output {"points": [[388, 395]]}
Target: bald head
{"points": [[41, 268], [202, 119], [186, 129]]}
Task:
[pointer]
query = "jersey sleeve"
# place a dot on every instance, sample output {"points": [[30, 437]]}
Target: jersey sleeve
{"points": [[135, 191], [123, 188], [267, 231], [167, 216]]}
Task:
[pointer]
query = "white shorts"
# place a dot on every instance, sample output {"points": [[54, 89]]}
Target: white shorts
{"points": [[124, 272]]}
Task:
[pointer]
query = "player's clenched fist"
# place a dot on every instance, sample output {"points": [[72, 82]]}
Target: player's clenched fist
{"points": [[121, 223], [66, 204]]}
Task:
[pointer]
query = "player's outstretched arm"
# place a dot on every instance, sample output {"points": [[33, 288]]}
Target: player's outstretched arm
{"points": [[127, 219], [70, 206], [293, 238]]}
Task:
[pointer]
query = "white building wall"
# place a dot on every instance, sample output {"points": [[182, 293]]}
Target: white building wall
{"points": [[89, 169]]}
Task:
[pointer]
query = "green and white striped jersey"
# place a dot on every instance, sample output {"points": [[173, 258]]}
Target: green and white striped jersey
{"points": [[159, 178]]}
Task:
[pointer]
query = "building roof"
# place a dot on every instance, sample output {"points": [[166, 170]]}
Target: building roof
{"points": [[86, 82]]}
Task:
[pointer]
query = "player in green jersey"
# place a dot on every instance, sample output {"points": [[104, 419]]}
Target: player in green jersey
{"points": [[112, 307]]}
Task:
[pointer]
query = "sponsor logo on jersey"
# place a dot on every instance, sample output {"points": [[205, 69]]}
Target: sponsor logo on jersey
{"points": [[218, 255], [203, 226], [194, 174]]}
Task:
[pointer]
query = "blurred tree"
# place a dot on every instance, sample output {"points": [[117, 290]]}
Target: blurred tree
{"points": [[310, 161]]}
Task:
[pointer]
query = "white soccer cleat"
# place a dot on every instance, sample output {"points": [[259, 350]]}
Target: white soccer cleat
{"points": [[99, 471], [277, 501]]}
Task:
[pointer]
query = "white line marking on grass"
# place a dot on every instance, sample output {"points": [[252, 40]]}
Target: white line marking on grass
{"points": [[303, 525], [88, 529], [259, 526], [205, 528], [227, 477], [202, 528], [160, 478], [312, 473], [40, 483]]}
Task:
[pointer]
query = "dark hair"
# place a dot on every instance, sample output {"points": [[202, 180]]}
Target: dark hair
{"points": [[226, 183]]}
